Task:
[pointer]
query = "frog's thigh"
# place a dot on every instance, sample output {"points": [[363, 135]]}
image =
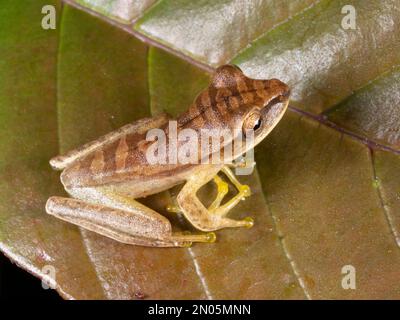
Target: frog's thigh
{"points": [[194, 210], [123, 226], [119, 218]]}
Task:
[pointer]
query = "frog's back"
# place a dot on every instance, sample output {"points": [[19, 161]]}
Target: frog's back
{"points": [[220, 106], [118, 161]]}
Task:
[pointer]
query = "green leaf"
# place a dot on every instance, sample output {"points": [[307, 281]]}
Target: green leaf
{"points": [[173, 83], [214, 31], [124, 11], [321, 61], [88, 109], [28, 134], [301, 42], [387, 173], [238, 267], [321, 191], [101, 85], [373, 111], [325, 193]]}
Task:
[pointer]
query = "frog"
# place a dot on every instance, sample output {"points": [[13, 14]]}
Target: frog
{"points": [[105, 177]]}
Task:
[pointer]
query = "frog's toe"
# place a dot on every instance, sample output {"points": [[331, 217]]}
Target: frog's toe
{"points": [[245, 190], [247, 222], [173, 208], [222, 190], [188, 238]]}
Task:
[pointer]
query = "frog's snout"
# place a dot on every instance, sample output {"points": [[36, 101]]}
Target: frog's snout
{"points": [[280, 88], [286, 94]]}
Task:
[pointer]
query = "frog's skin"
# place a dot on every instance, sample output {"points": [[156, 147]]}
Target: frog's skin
{"points": [[106, 175]]}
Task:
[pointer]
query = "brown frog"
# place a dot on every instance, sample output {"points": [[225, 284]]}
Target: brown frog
{"points": [[106, 175]]}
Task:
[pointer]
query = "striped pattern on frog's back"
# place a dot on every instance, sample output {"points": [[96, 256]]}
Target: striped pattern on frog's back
{"points": [[229, 91], [220, 106]]}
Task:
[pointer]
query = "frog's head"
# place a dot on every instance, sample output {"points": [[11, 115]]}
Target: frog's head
{"points": [[256, 106]]}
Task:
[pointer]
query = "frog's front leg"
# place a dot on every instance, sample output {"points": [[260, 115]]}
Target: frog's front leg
{"points": [[212, 218], [243, 192], [222, 190], [121, 219]]}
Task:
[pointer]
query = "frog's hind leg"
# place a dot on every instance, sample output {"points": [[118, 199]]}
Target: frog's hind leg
{"points": [[130, 223], [139, 127]]}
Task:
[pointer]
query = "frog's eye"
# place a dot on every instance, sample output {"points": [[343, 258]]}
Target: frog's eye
{"points": [[257, 124], [252, 122]]}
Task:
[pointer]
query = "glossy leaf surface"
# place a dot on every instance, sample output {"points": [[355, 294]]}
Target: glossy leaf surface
{"points": [[324, 196]]}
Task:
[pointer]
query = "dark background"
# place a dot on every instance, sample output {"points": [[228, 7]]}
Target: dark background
{"points": [[16, 283]]}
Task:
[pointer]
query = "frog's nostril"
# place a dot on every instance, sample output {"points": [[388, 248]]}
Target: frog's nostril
{"points": [[285, 94]]}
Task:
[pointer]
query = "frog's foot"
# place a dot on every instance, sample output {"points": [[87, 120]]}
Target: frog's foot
{"points": [[188, 238], [129, 222], [202, 218], [222, 189], [222, 211], [214, 217], [173, 208], [243, 192], [241, 187]]}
